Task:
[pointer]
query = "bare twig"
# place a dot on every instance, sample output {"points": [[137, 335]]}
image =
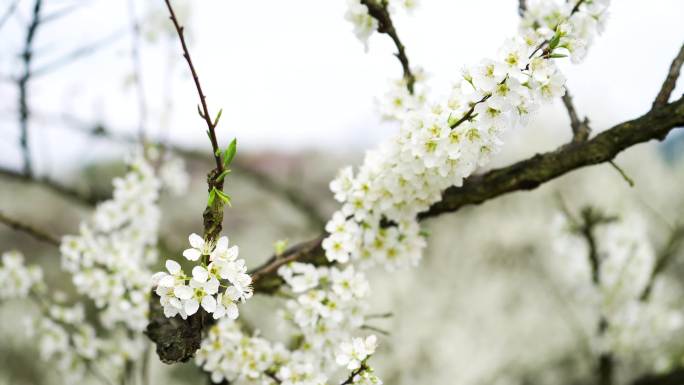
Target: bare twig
{"points": [[22, 84], [204, 113], [580, 128], [378, 10], [622, 172], [8, 13], [670, 80], [36, 233]]}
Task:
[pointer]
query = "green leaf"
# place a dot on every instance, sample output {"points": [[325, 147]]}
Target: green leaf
{"points": [[223, 196], [222, 175], [212, 196], [555, 40], [218, 116], [557, 56], [229, 154]]}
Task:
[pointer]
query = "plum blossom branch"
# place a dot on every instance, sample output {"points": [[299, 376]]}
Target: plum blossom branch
{"points": [[528, 174], [541, 168]]}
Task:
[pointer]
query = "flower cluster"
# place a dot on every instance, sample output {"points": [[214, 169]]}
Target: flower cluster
{"points": [[228, 354], [17, 279], [182, 294], [326, 311], [440, 146], [110, 258], [364, 23], [353, 354]]}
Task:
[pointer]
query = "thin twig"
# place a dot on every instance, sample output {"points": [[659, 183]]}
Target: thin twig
{"points": [[670, 80], [9, 12], [36, 233], [378, 10], [622, 172], [205, 110], [580, 128], [22, 85], [355, 373]]}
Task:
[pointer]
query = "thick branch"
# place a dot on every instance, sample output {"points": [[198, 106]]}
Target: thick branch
{"points": [[378, 10], [529, 174], [670, 80], [36, 233]]}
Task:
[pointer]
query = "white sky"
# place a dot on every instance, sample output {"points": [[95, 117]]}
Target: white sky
{"points": [[291, 75]]}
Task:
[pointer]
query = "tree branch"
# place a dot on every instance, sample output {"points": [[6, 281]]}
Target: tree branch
{"points": [[204, 113], [178, 339], [22, 84], [521, 176], [670, 80], [36, 233], [378, 10], [530, 173]]}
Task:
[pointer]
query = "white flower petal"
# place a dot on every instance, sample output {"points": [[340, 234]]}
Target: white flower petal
{"points": [[167, 281], [172, 266], [196, 241], [183, 292], [209, 303], [192, 254], [211, 286], [200, 274], [232, 311], [222, 244], [190, 306]]}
